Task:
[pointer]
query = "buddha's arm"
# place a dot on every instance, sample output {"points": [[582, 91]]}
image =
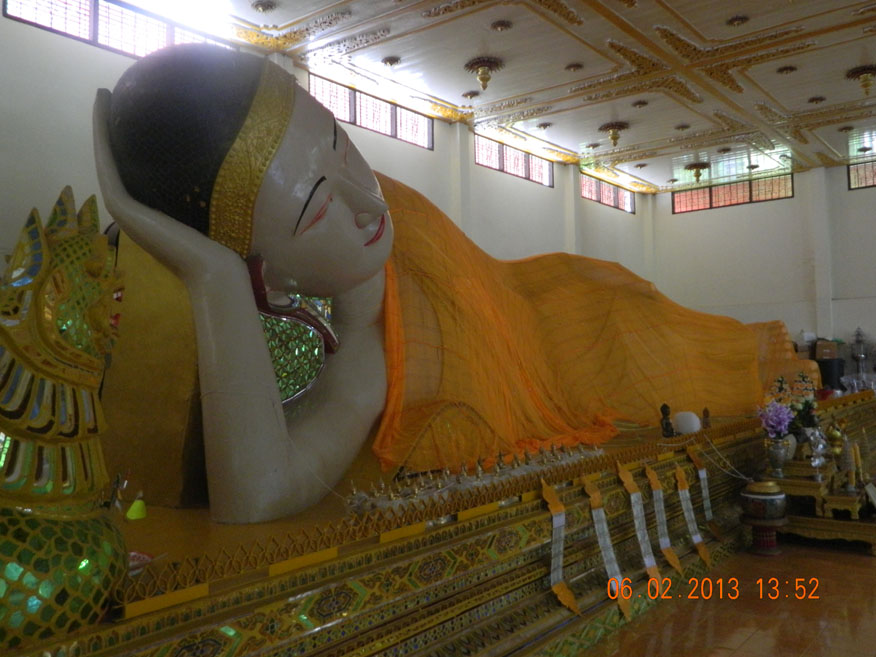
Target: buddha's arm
{"points": [[260, 464]]}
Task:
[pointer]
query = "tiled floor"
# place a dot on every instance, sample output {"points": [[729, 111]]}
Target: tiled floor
{"points": [[840, 623]]}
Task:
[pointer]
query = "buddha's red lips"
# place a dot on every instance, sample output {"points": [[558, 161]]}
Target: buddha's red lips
{"points": [[379, 232]]}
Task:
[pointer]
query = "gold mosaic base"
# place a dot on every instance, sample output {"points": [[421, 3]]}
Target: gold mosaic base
{"points": [[473, 582], [56, 576]]}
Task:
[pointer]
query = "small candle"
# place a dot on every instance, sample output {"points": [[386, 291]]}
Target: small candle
{"points": [[852, 483], [859, 464]]}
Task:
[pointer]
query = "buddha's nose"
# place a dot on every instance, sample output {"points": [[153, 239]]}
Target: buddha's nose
{"points": [[368, 205]]}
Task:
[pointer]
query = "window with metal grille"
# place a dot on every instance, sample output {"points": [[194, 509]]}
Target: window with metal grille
{"points": [[124, 29], [862, 175], [607, 194], [738, 193], [495, 155], [366, 111], [105, 23]]}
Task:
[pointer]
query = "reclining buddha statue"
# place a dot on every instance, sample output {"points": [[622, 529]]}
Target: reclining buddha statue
{"points": [[249, 190]]}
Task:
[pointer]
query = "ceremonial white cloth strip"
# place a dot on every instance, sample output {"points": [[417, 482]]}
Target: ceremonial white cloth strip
{"points": [[689, 516], [559, 521], [707, 502], [600, 522], [642, 530], [660, 513]]}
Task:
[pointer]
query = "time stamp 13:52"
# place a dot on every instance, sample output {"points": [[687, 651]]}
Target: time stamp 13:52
{"points": [[721, 588]]}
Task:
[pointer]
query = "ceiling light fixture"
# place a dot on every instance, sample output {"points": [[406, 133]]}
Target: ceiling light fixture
{"points": [[574, 67], [846, 128], [639, 104], [672, 180], [614, 128], [501, 26], [863, 75], [640, 165], [865, 149], [737, 20], [724, 150], [593, 144], [544, 126], [682, 126], [698, 168], [752, 167], [390, 61], [785, 70], [471, 94], [483, 67], [816, 99], [264, 6]]}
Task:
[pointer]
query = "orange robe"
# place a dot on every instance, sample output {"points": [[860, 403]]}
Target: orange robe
{"points": [[487, 356]]}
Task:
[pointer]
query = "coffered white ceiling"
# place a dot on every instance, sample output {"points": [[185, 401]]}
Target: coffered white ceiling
{"points": [[766, 79]]}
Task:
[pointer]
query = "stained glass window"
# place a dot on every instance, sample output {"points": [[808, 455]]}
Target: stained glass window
{"points": [[369, 112], [862, 175], [498, 156], [607, 194], [105, 23], [748, 191]]}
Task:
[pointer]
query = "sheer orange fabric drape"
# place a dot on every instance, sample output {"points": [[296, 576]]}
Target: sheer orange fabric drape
{"points": [[486, 356]]}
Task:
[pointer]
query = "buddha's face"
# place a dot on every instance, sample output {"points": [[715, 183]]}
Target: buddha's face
{"points": [[320, 224]]}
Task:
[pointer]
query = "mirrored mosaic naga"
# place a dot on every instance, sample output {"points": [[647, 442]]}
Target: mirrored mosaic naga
{"points": [[60, 555]]}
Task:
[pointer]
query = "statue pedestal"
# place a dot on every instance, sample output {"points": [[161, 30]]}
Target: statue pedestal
{"points": [[763, 534]]}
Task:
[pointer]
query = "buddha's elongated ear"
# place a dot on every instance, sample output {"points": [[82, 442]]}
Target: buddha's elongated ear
{"points": [[179, 247]]}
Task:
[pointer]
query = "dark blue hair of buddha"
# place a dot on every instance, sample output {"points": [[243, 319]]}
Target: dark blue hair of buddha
{"points": [[173, 118]]}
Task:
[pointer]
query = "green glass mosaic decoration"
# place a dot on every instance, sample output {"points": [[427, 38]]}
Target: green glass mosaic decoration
{"points": [[297, 350]]}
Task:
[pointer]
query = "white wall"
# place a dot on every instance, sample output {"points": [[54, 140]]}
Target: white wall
{"points": [[752, 262], [853, 250], [47, 86]]}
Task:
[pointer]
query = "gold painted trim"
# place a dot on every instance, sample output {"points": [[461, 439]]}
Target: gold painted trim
{"points": [[240, 176]]}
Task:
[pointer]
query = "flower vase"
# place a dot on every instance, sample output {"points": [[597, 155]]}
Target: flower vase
{"points": [[777, 455]]}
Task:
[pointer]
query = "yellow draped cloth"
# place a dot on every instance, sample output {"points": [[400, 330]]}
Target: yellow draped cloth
{"points": [[487, 356]]}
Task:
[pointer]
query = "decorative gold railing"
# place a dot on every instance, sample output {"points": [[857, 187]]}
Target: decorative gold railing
{"points": [[156, 580]]}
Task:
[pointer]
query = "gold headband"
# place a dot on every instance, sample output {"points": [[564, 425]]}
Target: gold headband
{"points": [[244, 167]]}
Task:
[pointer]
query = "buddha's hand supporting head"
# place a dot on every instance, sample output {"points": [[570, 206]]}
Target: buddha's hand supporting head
{"points": [[225, 143]]}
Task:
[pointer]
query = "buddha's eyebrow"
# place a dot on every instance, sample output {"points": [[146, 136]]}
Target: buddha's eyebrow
{"points": [[307, 202], [335, 137]]}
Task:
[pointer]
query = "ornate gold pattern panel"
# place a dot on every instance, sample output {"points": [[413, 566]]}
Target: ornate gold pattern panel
{"points": [[722, 72], [695, 54], [269, 38], [556, 7]]}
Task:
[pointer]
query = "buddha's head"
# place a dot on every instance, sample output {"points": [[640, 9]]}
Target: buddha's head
{"points": [[226, 143]]}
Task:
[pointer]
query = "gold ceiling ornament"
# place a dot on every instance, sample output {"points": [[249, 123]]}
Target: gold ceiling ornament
{"points": [[614, 128], [264, 6], [670, 83], [697, 168], [522, 115], [483, 67], [557, 7], [562, 156], [863, 75], [826, 160], [451, 114], [496, 108], [693, 53], [349, 44], [271, 38]]}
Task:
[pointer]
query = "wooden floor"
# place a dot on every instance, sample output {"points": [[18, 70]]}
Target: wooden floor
{"points": [[841, 622]]}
